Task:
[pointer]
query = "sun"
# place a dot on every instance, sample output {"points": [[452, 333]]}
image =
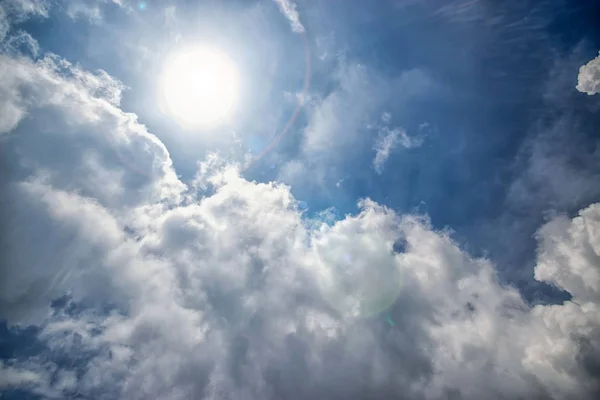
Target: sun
{"points": [[199, 87]]}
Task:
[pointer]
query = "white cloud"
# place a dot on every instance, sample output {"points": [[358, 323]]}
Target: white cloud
{"points": [[327, 129], [35, 378], [73, 140], [20, 42], [288, 8], [239, 275], [15, 11], [387, 142], [89, 9], [340, 124], [231, 294], [588, 80], [568, 258], [567, 254], [557, 169], [67, 102], [22, 9], [15, 377]]}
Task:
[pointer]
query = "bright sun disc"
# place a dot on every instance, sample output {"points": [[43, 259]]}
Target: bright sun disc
{"points": [[199, 87]]}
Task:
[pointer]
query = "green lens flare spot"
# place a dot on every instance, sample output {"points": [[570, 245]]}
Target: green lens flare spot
{"points": [[361, 290]]}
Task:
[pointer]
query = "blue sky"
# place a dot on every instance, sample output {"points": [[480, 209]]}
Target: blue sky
{"points": [[403, 202]]}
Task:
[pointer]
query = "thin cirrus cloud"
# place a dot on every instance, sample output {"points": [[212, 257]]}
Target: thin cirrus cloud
{"points": [[288, 8], [345, 121], [140, 287]]}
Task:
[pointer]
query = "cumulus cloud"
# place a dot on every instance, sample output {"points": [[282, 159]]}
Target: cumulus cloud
{"points": [[555, 170], [74, 140], [267, 308], [144, 288], [588, 80], [288, 8]]}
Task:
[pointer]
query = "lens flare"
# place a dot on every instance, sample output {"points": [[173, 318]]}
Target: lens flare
{"points": [[359, 288], [200, 87]]}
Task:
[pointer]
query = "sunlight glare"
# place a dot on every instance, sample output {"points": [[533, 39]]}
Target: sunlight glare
{"points": [[199, 87]]}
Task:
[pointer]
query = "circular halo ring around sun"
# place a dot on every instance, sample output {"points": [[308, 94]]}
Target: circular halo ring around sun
{"points": [[277, 138]]}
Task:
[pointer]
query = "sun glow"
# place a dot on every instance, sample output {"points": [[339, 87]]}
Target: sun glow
{"points": [[199, 87]]}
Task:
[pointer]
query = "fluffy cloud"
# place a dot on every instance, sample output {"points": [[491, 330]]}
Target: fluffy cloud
{"points": [[564, 241], [226, 291], [588, 80], [66, 140], [233, 295]]}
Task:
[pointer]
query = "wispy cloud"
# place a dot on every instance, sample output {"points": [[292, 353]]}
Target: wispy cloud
{"points": [[15, 11], [10, 376], [341, 125], [388, 141], [92, 10], [288, 8]]}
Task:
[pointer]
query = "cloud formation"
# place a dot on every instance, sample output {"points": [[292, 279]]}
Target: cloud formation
{"points": [[387, 141], [345, 122], [588, 80], [142, 287], [73, 140], [15, 11], [232, 294], [288, 8]]}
